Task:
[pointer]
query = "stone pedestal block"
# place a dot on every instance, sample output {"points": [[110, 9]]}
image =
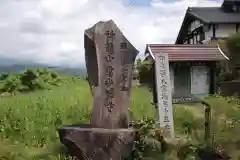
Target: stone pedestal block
{"points": [[86, 143]]}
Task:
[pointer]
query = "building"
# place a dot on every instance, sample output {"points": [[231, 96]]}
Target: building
{"points": [[192, 69], [207, 24]]}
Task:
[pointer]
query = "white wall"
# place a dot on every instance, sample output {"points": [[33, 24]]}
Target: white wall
{"points": [[195, 24], [209, 34], [191, 41], [198, 37], [223, 30]]}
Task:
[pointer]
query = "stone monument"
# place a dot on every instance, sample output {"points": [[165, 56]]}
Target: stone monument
{"points": [[109, 59]]}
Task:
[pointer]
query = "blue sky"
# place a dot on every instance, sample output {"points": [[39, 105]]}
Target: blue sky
{"points": [[137, 3], [51, 31]]}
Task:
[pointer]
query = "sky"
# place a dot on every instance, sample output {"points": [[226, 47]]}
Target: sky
{"points": [[52, 31]]}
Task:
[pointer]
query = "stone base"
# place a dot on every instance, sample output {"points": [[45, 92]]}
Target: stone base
{"points": [[85, 142]]}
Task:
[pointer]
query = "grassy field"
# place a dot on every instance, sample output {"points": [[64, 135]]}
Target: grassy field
{"points": [[29, 122]]}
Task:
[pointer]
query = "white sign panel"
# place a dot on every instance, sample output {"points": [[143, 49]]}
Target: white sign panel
{"points": [[164, 93], [199, 80]]}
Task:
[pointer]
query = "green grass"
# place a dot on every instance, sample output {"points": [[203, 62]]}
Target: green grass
{"points": [[29, 122], [32, 119]]}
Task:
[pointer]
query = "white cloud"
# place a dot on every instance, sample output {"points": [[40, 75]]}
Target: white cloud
{"points": [[51, 31]]}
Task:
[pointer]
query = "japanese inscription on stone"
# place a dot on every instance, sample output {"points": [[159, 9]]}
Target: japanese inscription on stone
{"points": [[109, 60], [124, 69], [164, 93], [109, 90]]}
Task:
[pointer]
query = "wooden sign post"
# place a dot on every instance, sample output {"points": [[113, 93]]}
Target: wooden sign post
{"points": [[164, 94]]}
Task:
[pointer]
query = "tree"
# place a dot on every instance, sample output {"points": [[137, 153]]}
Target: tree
{"points": [[138, 63], [3, 76], [28, 79], [233, 47], [223, 46], [137, 67], [145, 72]]}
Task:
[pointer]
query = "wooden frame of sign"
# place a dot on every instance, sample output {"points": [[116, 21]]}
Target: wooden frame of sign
{"points": [[164, 95]]}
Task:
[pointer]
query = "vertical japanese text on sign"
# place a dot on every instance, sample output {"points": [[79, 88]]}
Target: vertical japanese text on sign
{"points": [[109, 90], [124, 78], [164, 94], [124, 70], [164, 90]]}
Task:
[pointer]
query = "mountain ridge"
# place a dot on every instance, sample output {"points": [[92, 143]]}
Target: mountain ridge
{"points": [[12, 66]]}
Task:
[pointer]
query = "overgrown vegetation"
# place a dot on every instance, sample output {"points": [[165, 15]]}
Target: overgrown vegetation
{"points": [[189, 127], [29, 123], [29, 80], [145, 72], [231, 48]]}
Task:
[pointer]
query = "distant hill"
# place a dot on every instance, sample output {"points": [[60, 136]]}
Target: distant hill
{"points": [[8, 66], [70, 71]]}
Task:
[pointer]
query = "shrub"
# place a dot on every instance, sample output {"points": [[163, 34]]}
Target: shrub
{"points": [[233, 46], [225, 76], [30, 80], [145, 72], [11, 84], [85, 78], [3, 76], [149, 141]]}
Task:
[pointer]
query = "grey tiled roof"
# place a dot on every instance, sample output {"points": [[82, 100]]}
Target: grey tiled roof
{"points": [[214, 15]]}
